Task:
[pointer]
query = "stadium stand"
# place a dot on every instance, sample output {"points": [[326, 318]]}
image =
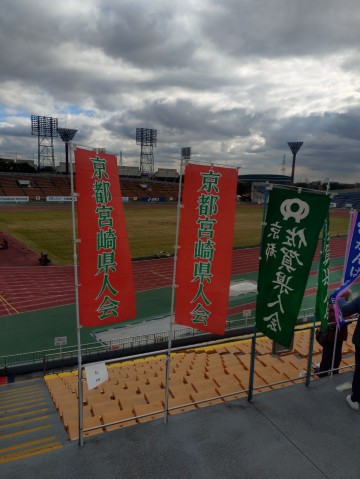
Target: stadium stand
{"points": [[166, 174], [9, 185], [129, 172], [199, 377], [347, 199], [39, 186]]}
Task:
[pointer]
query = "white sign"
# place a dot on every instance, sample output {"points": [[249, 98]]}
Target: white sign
{"points": [[16, 199], [246, 313], [59, 198], [96, 374], [61, 341]]}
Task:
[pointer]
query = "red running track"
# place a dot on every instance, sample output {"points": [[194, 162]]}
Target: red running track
{"points": [[36, 287]]}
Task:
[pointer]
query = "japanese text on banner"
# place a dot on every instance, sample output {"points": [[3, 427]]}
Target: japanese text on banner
{"points": [[106, 292], [205, 240], [322, 300], [293, 224]]}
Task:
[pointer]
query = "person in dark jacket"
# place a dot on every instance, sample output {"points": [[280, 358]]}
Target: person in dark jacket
{"points": [[348, 309], [328, 345]]}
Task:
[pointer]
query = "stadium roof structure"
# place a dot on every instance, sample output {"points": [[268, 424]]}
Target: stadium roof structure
{"points": [[282, 179]]}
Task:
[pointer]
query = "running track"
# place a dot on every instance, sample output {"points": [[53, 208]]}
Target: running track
{"points": [[36, 287]]}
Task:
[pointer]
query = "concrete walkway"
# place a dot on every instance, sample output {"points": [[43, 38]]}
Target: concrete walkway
{"points": [[290, 433]]}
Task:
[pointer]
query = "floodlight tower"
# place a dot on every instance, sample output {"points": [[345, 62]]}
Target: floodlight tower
{"points": [[146, 137], [186, 153], [46, 129], [67, 135], [294, 147]]}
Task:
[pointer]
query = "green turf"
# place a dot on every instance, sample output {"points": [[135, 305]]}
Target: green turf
{"points": [[150, 229], [36, 330]]}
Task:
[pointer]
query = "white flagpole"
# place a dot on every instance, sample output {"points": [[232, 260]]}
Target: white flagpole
{"points": [[80, 382], [168, 356], [253, 341]]}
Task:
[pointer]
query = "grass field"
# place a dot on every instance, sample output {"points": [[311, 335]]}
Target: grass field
{"points": [[150, 229]]}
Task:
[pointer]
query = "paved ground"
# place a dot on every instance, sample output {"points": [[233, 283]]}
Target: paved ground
{"points": [[294, 432]]}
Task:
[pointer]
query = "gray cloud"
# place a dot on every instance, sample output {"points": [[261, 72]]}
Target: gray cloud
{"points": [[235, 80], [282, 28]]}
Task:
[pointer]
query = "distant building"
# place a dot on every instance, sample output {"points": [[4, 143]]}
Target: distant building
{"points": [[263, 178], [166, 174], [255, 184], [129, 171]]}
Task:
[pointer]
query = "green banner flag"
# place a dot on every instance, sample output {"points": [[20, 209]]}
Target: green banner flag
{"points": [[321, 304], [293, 223]]}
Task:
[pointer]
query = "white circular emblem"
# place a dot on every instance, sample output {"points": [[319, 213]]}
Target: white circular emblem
{"points": [[299, 213]]}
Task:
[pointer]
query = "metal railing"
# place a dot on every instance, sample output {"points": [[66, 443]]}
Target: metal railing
{"points": [[123, 345], [306, 378]]}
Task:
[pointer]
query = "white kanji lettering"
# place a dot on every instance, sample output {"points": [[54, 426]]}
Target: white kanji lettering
{"points": [[275, 229], [291, 237], [282, 282], [287, 260], [356, 259], [270, 250], [274, 323], [270, 305]]}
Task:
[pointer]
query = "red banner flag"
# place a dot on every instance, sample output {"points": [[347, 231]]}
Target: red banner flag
{"points": [[106, 285], [205, 247]]}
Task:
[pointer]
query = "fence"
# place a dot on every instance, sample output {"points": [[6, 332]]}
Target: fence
{"points": [[249, 391], [45, 359]]}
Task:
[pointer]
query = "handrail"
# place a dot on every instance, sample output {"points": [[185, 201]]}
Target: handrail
{"points": [[69, 352], [311, 326]]}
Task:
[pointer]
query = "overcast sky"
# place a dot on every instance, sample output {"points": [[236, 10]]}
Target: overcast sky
{"points": [[233, 79]]}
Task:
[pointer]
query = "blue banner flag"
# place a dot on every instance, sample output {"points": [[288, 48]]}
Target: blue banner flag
{"points": [[352, 266]]}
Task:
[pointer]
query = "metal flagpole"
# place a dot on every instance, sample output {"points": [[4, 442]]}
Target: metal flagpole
{"points": [[253, 341], [351, 215], [80, 381], [325, 231], [168, 356]]}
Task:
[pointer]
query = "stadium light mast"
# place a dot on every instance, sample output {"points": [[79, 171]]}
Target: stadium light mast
{"points": [[294, 147], [46, 129], [67, 135], [186, 153], [147, 138]]}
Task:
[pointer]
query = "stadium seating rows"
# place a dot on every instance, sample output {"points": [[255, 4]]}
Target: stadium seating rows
{"points": [[135, 391], [42, 186]]}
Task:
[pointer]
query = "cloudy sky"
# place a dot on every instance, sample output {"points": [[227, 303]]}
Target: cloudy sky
{"points": [[233, 79]]}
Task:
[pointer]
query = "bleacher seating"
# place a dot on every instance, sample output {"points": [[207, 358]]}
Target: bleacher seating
{"points": [[198, 378], [345, 198], [62, 184], [42, 185], [10, 186]]}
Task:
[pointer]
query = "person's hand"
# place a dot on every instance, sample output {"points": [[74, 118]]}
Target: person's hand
{"points": [[346, 295]]}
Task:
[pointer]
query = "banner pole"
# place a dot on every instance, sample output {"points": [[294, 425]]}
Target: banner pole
{"points": [[253, 341], [78, 336], [168, 355], [322, 295]]}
